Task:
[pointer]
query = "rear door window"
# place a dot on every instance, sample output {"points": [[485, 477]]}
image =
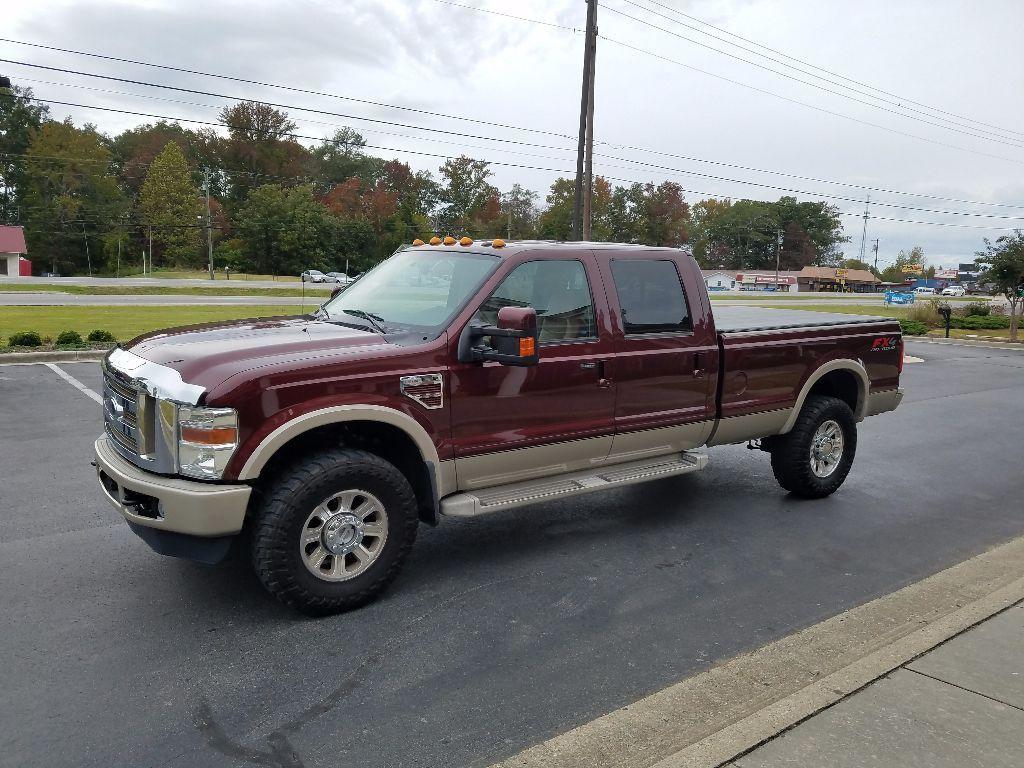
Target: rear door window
{"points": [[651, 296]]}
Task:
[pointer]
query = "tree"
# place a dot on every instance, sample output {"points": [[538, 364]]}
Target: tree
{"points": [[342, 157], [286, 230], [169, 203], [20, 118], [135, 149], [1005, 273], [856, 264], [905, 265], [259, 149], [467, 198], [555, 223], [70, 198], [519, 213]]}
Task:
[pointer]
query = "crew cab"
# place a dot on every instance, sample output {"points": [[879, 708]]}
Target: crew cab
{"points": [[461, 378]]}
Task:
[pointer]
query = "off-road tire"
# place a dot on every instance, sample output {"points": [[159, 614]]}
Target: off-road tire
{"points": [[281, 510], [791, 452]]}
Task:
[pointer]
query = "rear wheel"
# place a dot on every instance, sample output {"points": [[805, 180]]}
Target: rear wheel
{"points": [[333, 531], [814, 458]]}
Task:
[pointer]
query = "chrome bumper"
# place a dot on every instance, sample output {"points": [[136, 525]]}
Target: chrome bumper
{"points": [[169, 503]]}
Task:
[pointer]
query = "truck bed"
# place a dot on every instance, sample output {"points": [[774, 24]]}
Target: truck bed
{"points": [[743, 319]]}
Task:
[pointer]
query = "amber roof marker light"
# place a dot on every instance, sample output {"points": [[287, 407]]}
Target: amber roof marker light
{"points": [[449, 240], [435, 241], [498, 243], [417, 241], [466, 241]]}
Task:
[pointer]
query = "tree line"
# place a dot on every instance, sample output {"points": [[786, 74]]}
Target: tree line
{"points": [[277, 206]]}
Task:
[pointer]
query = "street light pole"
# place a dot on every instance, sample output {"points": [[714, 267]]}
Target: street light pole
{"points": [[209, 220], [778, 254]]}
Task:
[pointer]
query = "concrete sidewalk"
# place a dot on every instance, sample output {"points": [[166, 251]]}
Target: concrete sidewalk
{"points": [[961, 704]]}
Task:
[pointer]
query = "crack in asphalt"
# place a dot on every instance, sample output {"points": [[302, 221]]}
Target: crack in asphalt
{"points": [[281, 753]]}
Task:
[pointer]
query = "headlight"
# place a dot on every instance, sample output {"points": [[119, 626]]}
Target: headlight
{"points": [[206, 439]]}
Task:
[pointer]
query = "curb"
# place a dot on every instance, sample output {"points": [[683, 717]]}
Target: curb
{"points": [[60, 356], [1010, 345], [717, 715]]}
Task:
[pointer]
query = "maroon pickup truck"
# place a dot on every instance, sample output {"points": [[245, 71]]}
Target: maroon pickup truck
{"points": [[463, 378]]}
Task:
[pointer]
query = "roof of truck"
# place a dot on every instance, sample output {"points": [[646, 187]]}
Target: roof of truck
{"points": [[518, 246]]}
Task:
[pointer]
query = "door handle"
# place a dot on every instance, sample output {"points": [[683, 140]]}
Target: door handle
{"points": [[698, 372], [589, 365], [601, 380]]}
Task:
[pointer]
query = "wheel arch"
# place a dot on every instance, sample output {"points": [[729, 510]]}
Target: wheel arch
{"points": [[846, 379], [389, 433]]}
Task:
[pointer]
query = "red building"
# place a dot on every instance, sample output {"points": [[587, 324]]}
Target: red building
{"points": [[13, 251]]}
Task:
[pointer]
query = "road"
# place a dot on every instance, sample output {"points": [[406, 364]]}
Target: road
{"points": [[501, 631], [55, 299], [161, 282]]}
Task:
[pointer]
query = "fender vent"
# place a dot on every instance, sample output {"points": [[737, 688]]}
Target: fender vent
{"points": [[426, 389]]}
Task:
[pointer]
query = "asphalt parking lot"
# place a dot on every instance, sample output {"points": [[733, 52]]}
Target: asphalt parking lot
{"points": [[501, 631]]}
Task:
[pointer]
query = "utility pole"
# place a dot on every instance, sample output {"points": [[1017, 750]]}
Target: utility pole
{"points": [[88, 258], [209, 220], [589, 46], [588, 160], [509, 235], [864, 232], [876, 255], [778, 255], [150, 254]]}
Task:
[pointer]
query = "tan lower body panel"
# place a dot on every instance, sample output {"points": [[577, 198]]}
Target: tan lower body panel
{"points": [[521, 464], [880, 402], [739, 429]]}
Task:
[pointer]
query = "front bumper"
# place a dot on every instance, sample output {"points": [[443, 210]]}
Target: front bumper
{"points": [[157, 503]]}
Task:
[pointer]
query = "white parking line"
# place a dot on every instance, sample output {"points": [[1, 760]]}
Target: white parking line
{"points": [[75, 382]]}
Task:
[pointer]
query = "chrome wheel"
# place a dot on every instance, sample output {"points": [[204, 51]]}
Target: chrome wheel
{"points": [[344, 535], [826, 448]]}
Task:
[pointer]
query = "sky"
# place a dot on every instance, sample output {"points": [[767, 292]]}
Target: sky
{"points": [[666, 108]]}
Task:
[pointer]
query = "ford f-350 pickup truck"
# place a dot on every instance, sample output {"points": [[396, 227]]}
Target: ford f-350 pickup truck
{"points": [[461, 378]]}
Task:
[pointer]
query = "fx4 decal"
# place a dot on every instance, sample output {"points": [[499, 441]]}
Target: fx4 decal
{"points": [[885, 343]]}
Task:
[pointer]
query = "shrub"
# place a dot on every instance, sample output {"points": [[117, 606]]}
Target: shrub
{"points": [[67, 338], [975, 309], [978, 323], [101, 336], [913, 328], [25, 339]]}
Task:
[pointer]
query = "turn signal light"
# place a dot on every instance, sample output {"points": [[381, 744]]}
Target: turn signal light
{"points": [[449, 240], [527, 347], [435, 241], [215, 436], [417, 241], [498, 243], [466, 241]]}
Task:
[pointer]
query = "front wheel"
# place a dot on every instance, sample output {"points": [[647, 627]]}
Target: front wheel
{"points": [[333, 531], [814, 458]]}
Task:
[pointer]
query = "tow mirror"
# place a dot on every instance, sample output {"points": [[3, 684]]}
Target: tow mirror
{"points": [[513, 341]]}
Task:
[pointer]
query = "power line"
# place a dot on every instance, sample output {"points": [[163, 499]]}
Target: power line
{"points": [[292, 88], [506, 15], [901, 99], [805, 104], [993, 136], [505, 141]]}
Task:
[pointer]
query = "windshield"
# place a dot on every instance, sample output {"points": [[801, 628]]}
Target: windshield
{"points": [[413, 290]]}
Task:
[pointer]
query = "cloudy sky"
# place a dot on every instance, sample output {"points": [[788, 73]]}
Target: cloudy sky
{"points": [[664, 97]]}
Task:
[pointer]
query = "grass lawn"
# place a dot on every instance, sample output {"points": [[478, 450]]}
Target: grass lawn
{"points": [[158, 290], [124, 322], [846, 309]]}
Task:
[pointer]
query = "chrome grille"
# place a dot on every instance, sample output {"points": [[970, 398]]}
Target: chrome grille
{"points": [[120, 410]]}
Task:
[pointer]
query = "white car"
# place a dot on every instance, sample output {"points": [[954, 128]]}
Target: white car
{"points": [[314, 276], [339, 277], [954, 290]]}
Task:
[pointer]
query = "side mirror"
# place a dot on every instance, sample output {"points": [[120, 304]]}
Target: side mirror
{"points": [[336, 291], [513, 341]]}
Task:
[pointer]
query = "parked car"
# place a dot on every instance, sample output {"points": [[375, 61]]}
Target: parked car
{"points": [[313, 276], [338, 277], [954, 290], [925, 290], [530, 372]]}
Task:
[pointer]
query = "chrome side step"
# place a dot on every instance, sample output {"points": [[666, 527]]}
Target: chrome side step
{"points": [[473, 503]]}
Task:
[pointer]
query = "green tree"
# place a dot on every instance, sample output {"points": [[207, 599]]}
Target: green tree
{"points": [[467, 198], [900, 270], [285, 231], [555, 223], [20, 118], [72, 198], [343, 157], [259, 149], [518, 213], [1005, 274], [169, 203]]}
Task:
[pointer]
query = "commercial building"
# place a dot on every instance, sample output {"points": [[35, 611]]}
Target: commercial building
{"points": [[13, 251], [835, 280], [807, 280]]}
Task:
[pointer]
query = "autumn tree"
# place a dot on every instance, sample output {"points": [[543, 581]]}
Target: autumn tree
{"points": [[169, 203], [1005, 274], [555, 222], [259, 149], [343, 157]]}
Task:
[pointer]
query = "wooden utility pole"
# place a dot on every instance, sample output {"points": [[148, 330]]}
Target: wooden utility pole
{"points": [[588, 161], [209, 220], [589, 46]]}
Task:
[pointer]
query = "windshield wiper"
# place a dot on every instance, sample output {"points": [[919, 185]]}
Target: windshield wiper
{"points": [[375, 321]]}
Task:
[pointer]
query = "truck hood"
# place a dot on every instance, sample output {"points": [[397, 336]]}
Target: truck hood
{"points": [[207, 355]]}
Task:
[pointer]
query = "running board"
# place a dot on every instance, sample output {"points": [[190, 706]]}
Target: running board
{"points": [[473, 503]]}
